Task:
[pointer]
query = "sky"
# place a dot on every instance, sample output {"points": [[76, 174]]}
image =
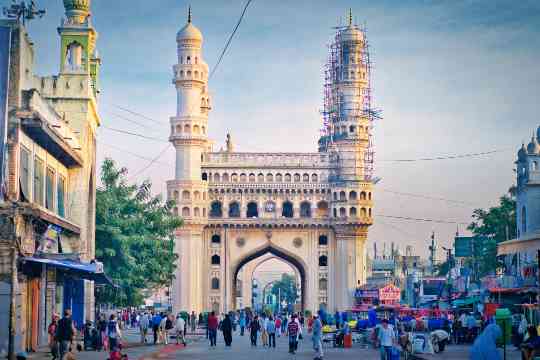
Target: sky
{"points": [[451, 77]]}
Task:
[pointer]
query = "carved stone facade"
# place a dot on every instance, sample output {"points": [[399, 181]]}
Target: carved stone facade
{"points": [[311, 210]]}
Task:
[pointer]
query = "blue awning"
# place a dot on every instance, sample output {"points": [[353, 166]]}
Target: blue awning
{"points": [[89, 271]]}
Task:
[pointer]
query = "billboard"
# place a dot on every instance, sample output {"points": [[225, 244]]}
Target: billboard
{"points": [[463, 246], [5, 47]]}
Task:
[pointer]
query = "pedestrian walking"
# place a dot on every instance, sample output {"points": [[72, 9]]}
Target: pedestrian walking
{"points": [[212, 328], [144, 323], [242, 323], [156, 320], [264, 335], [292, 331], [193, 321], [226, 328], [163, 328], [316, 328], [103, 343], [271, 331], [51, 331], [278, 326], [113, 332], [387, 338], [254, 327], [179, 327], [65, 332], [485, 345]]}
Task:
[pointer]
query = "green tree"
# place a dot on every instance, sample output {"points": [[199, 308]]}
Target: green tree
{"points": [[286, 288], [134, 237], [492, 226]]}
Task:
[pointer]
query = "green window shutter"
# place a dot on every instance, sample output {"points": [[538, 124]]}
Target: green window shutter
{"points": [[60, 195]]}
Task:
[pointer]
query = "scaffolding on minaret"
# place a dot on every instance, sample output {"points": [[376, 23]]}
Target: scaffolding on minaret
{"points": [[335, 103]]}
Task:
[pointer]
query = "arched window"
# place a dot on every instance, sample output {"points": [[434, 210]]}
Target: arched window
{"points": [[352, 195], [287, 209], [296, 177], [369, 195], [279, 178], [234, 210], [351, 129], [363, 212], [322, 209], [314, 178], [197, 195], [305, 178], [215, 284], [534, 165], [216, 178], [287, 178], [269, 178], [323, 240], [185, 195], [342, 212], [260, 178], [323, 284], [204, 177], [234, 178], [335, 196], [216, 239], [176, 195], [369, 212], [185, 211], [251, 178], [243, 178], [196, 212], [363, 195], [215, 260], [188, 60], [225, 177], [187, 129], [335, 212], [523, 220], [305, 209], [178, 128], [342, 195], [216, 209], [252, 210], [196, 60], [352, 211], [175, 211], [323, 260], [196, 129]]}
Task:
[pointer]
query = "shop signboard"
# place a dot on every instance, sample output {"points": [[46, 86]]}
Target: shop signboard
{"points": [[463, 246], [389, 293]]}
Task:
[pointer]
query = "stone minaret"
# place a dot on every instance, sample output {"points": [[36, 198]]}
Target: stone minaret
{"points": [[188, 189], [347, 138]]}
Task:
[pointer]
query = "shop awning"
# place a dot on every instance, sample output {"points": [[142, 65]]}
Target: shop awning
{"points": [[90, 271]]}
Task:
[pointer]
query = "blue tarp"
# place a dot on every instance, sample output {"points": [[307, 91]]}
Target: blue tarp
{"points": [[89, 271]]}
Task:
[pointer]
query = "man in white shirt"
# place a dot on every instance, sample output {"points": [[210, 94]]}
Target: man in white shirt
{"points": [[387, 338], [144, 323], [179, 329]]}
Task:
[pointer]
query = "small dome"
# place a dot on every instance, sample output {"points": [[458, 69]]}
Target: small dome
{"points": [[522, 153], [189, 32], [533, 147], [352, 32]]}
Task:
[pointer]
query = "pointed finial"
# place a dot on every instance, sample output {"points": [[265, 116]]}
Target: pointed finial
{"points": [[350, 16], [189, 14]]}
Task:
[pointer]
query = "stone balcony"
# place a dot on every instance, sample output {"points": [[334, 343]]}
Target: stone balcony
{"points": [[288, 222], [273, 160]]}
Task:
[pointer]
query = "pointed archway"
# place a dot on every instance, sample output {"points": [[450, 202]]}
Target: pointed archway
{"points": [[290, 259]]}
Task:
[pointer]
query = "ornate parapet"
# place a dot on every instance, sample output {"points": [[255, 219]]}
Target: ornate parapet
{"points": [[274, 160]]}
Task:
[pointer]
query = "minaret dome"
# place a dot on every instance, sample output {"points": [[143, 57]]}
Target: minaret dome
{"points": [[189, 32]]}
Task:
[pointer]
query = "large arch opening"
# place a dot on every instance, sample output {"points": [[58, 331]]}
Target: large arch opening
{"points": [[266, 271]]}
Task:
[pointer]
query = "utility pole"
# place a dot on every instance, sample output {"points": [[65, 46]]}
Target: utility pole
{"points": [[432, 253], [14, 285]]}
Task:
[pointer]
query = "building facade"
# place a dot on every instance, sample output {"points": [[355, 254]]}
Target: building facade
{"points": [[311, 210], [48, 200], [520, 255]]}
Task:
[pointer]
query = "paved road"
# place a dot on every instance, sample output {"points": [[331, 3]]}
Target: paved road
{"points": [[199, 349]]}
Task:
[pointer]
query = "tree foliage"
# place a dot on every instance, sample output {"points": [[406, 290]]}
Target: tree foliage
{"points": [[134, 237], [496, 224], [286, 287]]}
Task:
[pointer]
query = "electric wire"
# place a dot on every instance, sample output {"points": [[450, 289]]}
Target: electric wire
{"points": [[407, 218], [137, 114], [134, 134], [130, 120], [458, 202], [134, 154], [230, 39], [152, 162], [449, 157]]}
